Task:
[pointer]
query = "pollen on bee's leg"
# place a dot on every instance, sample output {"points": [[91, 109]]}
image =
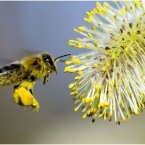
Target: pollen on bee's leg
{"points": [[35, 105], [16, 97], [23, 97]]}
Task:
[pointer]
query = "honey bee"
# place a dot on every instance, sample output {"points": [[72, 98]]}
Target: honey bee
{"points": [[24, 74]]}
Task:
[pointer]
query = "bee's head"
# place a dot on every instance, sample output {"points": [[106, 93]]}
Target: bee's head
{"points": [[49, 62]]}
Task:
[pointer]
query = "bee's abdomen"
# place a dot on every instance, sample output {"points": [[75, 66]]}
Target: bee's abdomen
{"points": [[11, 74]]}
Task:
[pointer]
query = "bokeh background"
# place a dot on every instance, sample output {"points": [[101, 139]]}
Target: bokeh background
{"points": [[32, 27]]}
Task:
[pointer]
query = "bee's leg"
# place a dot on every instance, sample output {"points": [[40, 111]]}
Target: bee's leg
{"points": [[24, 97], [46, 78], [31, 91], [35, 104]]}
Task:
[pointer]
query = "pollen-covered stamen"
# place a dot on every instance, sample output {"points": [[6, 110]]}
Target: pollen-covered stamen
{"points": [[111, 77]]}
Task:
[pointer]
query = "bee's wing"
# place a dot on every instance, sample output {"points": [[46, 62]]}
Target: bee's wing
{"points": [[12, 73]]}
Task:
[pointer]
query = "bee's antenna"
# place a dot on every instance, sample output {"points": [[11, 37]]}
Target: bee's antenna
{"points": [[61, 57]]}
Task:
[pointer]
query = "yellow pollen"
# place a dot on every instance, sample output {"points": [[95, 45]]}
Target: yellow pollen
{"points": [[88, 13], [136, 112], [77, 78], [95, 65], [95, 110], [73, 56], [106, 104], [82, 96], [72, 70], [79, 45], [99, 105], [67, 62], [98, 5], [112, 83], [71, 41], [100, 115], [84, 116], [108, 64], [113, 56], [122, 11], [83, 110], [71, 86], [97, 95], [126, 49], [76, 30], [91, 99], [134, 52], [80, 72], [95, 43], [87, 100], [114, 1], [137, 3], [86, 64], [84, 100], [106, 4], [92, 110], [72, 94], [128, 116], [88, 112], [76, 109], [111, 115], [82, 28], [88, 20], [105, 117], [67, 69], [124, 119], [87, 46], [90, 35], [98, 87], [104, 68], [76, 61], [94, 28], [71, 44]]}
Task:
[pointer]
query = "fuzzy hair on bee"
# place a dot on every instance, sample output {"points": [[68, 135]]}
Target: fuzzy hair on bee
{"points": [[24, 73]]}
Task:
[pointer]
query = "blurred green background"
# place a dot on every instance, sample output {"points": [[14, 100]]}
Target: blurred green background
{"points": [[31, 27]]}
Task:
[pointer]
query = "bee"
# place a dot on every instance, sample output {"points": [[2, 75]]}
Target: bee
{"points": [[24, 74]]}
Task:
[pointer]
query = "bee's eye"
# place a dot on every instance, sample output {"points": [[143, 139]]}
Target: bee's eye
{"points": [[47, 60]]}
